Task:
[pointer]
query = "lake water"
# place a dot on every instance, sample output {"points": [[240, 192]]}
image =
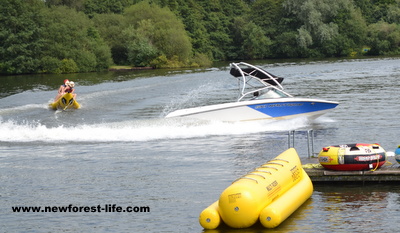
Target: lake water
{"points": [[118, 150]]}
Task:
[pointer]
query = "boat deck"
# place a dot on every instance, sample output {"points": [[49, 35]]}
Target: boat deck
{"points": [[389, 172]]}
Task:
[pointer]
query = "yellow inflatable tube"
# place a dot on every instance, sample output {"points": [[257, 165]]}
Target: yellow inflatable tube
{"points": [[209, 217], [248, 199], [241, 203], [281, 208], [65, 102]]}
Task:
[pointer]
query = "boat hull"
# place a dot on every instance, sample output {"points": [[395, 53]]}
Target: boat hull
{"points": [[254, 110], [66, 101], [352, 157]]}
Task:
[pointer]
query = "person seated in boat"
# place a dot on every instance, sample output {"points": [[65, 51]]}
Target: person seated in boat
{"points": [[61, 90], [70, 88], [255, 95]]}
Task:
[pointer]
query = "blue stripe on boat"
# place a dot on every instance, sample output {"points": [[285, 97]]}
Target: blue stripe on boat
{"points": [[290, 108]]}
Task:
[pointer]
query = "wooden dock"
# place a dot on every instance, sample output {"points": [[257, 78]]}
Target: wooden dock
{"points": [[389, 172]]}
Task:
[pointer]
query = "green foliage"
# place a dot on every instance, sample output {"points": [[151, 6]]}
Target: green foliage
{"points": [[37, 39], [256, 45], [102, 55], [75, 4], [173, 62], [384, 38], [393, 12], [67, 66], [50, 64], [200, 60], [66, 36], [333, 28], [162, 30], [193, 16], [286, 46], [93, 7], [21, 27], [316, 17], [250, 40], [160, 62], [110, 27], [139, 48], [267, 13], [70, 35]]}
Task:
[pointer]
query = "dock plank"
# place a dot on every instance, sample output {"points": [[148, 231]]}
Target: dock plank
{"points": [[389, 172]]}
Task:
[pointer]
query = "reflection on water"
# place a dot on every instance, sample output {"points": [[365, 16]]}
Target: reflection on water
{"points": [[349, 207]]}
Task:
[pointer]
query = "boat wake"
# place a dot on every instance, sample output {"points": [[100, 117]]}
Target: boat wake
{"points": [[139, 130], [23, 108]]}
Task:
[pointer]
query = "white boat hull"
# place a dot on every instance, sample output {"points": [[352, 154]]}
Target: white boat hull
{"points": [[254, 110]]}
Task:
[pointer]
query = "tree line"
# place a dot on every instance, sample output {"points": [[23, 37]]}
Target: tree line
{"points": [[67, 36]]}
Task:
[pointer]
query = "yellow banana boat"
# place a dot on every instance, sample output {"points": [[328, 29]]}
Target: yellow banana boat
{"points": [[65, 102], [269, 194]]}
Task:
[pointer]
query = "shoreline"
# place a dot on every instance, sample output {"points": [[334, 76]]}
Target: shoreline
{"points": [[129, 68]]}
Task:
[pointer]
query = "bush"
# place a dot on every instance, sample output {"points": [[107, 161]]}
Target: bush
{"points": [[201, 59], [160, 28], [383, 38], [68, 66], [50, 65]]}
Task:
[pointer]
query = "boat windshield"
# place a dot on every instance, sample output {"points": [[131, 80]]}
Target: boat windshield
{"points": [[273, 94]]}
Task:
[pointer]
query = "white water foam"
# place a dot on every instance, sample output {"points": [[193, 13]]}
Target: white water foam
{"points": [[138, 130], [23, 108]]}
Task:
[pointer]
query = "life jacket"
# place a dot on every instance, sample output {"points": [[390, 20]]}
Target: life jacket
{"points": [[68, 90]]}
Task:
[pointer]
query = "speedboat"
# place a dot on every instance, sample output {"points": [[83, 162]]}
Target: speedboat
{"points": [[261, 97]]}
